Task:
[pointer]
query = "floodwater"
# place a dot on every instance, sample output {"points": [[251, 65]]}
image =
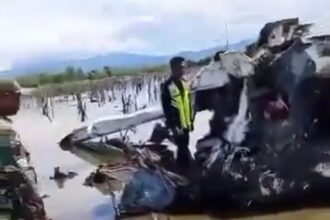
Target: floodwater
{"points": [[74, 201]]}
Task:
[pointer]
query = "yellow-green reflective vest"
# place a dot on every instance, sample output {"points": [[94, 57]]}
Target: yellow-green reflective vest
{"points": [[182, 104]]}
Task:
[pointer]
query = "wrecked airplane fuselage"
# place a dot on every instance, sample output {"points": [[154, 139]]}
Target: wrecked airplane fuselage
{"points": [[276, 160], [267, 148]]}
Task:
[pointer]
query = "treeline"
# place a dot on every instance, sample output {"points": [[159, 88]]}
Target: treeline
{"points": [[71, 74]]}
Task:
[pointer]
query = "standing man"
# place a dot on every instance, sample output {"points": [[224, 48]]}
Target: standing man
{"points": [[176, 103]]}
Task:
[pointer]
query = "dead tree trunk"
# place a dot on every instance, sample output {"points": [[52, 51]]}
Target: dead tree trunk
{"points": [[45, 108], [81, 108]]}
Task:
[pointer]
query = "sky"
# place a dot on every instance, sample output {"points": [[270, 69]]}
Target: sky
{"points": [[82, 28]]}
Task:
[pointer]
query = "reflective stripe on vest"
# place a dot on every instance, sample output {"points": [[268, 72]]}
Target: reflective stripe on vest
{"points": [[182, 104]]}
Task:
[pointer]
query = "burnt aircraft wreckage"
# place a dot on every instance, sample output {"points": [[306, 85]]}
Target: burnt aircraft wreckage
{"points": [[267, 148]]}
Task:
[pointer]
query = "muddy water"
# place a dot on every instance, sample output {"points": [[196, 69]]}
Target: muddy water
{"points": [[73, 201]]}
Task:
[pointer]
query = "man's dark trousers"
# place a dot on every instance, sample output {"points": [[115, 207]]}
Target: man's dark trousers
{"points": [[183, 154]]}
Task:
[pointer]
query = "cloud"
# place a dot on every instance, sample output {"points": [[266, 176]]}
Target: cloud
{"points": [[89, 27], [31, 28]]}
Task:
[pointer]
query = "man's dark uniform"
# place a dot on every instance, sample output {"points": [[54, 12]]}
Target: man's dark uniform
{"points": [[176, 103]]}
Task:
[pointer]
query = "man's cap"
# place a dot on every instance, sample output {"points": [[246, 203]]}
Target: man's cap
{"points": [[176, 60]]}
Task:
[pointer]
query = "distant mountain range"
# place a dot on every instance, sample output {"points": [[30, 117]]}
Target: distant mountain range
{"points": [[113, 60]]}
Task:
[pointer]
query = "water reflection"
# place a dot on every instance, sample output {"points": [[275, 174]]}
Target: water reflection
{"points": [[96, 158], [103, 211], [70, 199]]}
